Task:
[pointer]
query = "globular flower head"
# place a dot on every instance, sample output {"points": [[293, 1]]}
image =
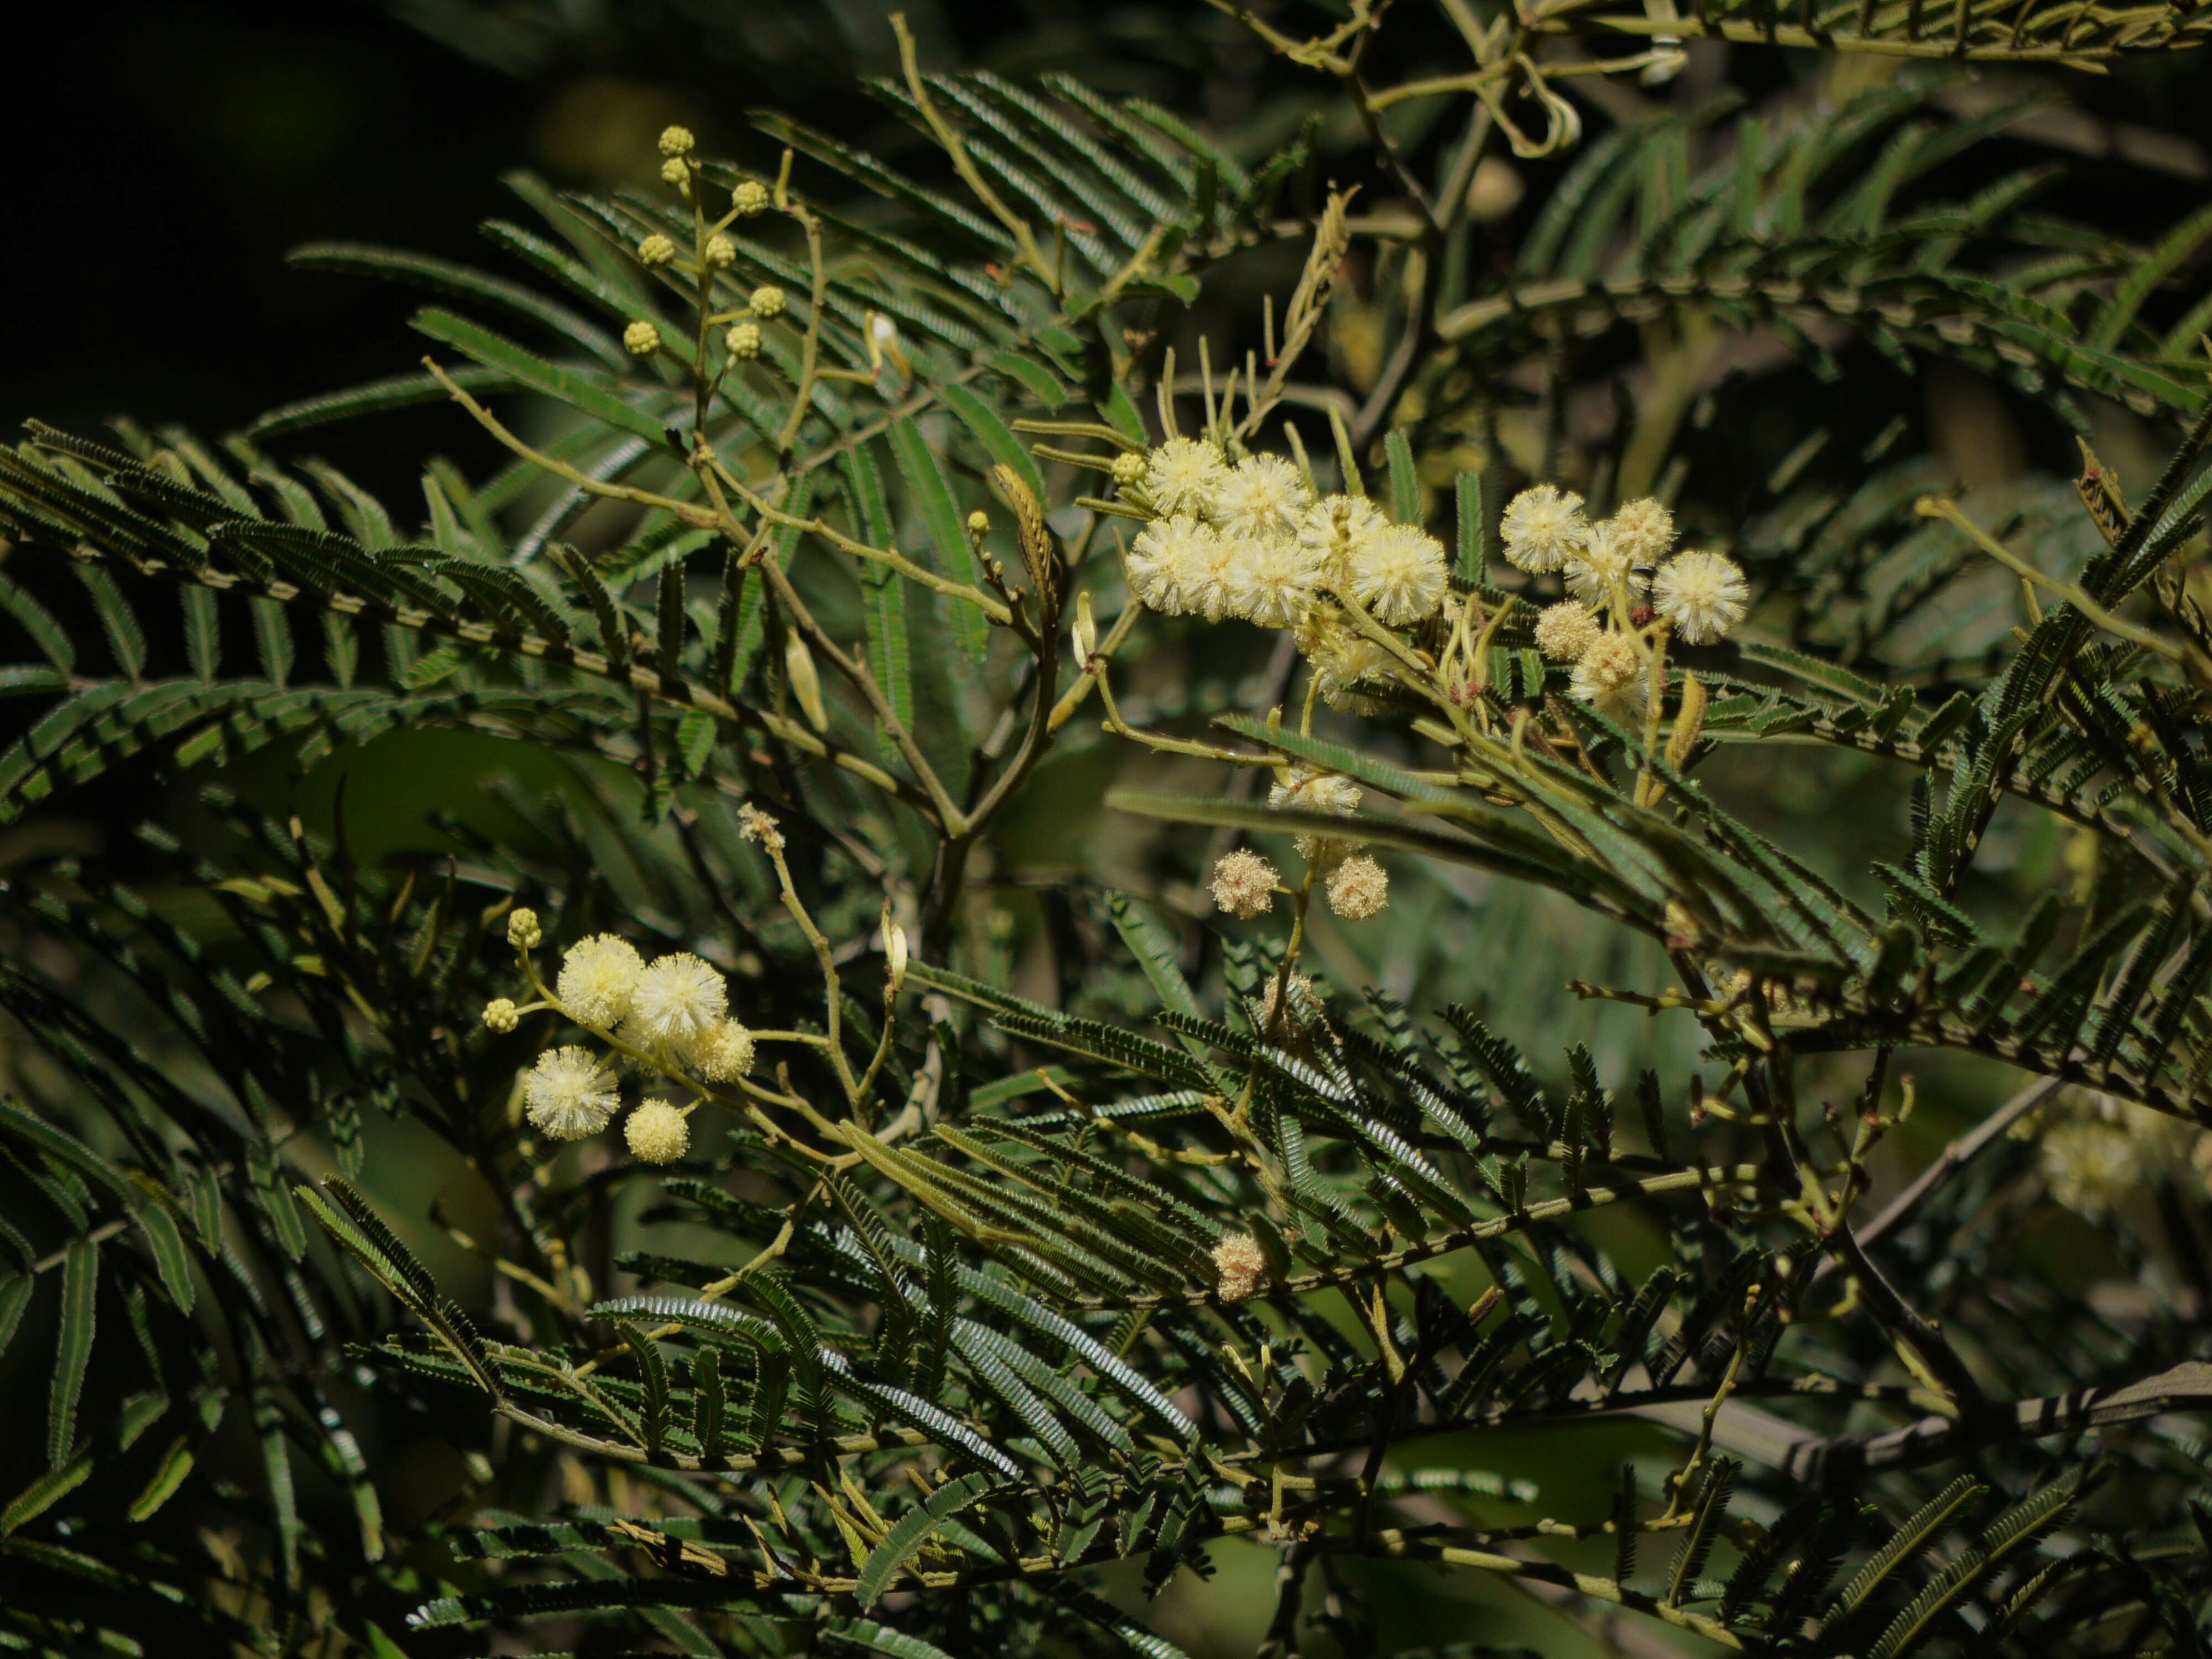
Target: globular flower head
{"points": [[523, 931], [2102, 1147], [657, 1132], [569, 1093], [1566, 631], [1240, 1268], [1399, 573], [656, 250], [1358, 888], [1339, 529], [768, 301], [979, 525], [1128, 468], [679, 1000], [1603, 563], [725, 1053], [1271, 580], [1703, 595], [642, 338], [1542, 526], [1610, 677], [1244, 884], [674, 171], [598, 977], [1262, 496], [500, 1015], [677, 141], [720, 251], [2090, 1166], [1644, 530], [1181, 475], [744, 340], [1169, 563], [749, 197]]}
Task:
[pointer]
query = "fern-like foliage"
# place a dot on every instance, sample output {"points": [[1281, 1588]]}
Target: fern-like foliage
{"points": [[1054, 1241]]}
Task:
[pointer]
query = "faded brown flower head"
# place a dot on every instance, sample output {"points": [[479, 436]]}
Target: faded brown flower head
{"points": [[1239, 1268], [1358, 888], [1244, 884], [756, 825]]}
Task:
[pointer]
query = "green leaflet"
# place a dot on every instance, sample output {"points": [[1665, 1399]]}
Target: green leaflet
{"points": [[884, 594], [582, 392], [881, 1638], [167, 1244], [378, 397], [994, 434], [912, 1530], [940, 511], [15, 1296], [445, 277], [169, 1474], [80, 1289]]}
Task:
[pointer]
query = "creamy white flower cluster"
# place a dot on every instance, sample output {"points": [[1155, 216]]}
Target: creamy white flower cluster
{"points": [[668, 1017], [2096, 1149], [1358, 887], [1624, 580], [1249, 539]]}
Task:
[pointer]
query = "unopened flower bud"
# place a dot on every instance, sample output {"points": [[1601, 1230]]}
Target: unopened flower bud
{"points": [[1085, 630], [642, 338], [499, 1015], [677, 141], [978, 524], [673, 172], [522, 929], [1128, 468], [768, 301], [744, 340], [749, 197], [806, 683], [656, 250], [721, 252], [895, 951]]}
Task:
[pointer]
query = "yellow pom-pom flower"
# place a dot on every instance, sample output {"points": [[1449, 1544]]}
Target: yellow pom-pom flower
{"points": [[657, 1132]]}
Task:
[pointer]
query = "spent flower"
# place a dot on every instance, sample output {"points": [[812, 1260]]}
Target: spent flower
{"points": [[1244, 884], [1240, 1268], [1358, 888]]}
